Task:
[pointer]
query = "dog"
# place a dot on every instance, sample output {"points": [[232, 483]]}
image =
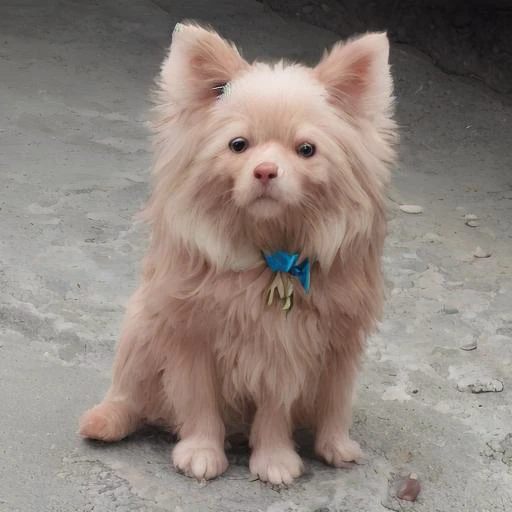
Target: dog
{"points": [[263, 276]]}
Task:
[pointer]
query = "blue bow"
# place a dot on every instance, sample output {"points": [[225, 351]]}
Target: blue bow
{"points": [[281, 261]]}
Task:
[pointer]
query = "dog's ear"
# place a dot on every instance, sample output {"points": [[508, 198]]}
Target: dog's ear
{"points": [[199, 63], [356, 75]]}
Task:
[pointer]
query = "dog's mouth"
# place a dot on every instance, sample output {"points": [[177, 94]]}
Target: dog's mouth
{"points": [[265, 197], [266, 193], [265, 205]]}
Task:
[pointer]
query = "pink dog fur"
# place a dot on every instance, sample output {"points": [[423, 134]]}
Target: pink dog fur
{"points": [[200, 348]]}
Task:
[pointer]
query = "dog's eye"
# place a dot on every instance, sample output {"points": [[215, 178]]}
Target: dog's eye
{"points": [[219, 89], [238, 145], [306, 149]]}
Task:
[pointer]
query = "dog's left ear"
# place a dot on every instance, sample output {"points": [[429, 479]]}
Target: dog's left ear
{"points": [[357, 78], [199, 63]]}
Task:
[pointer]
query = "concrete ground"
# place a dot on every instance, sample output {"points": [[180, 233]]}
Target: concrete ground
{"points": [[74, 160]]}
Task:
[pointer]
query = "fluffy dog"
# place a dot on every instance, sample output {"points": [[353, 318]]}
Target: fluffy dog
{"points": [[263, 275]]}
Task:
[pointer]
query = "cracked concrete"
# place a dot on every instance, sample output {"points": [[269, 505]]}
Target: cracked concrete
{"points": [[74, 163]]}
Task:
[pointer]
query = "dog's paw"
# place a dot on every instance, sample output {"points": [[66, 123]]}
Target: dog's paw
{"points": [[109, 422], [278, 466], [339, 452], [199, 459]]}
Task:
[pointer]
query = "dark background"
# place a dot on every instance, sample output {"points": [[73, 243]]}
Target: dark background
{"points": [[470, 38]]}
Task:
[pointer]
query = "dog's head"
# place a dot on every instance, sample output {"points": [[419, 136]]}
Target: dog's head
{"points": [[271, 156]]}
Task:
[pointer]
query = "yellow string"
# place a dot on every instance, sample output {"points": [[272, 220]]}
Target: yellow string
{"points": [[283, 285]]}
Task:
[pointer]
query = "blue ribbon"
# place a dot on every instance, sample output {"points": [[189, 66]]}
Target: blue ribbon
{"points": [[281, 261]]}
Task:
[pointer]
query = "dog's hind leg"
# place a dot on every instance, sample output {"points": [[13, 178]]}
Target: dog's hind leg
{"points": [[109, 421], [135, 384]]}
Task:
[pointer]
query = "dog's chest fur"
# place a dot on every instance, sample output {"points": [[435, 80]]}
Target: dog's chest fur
{"points": [[260, 349]]}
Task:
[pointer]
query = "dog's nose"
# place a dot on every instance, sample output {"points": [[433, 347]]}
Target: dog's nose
{"points": [[265, 172]]}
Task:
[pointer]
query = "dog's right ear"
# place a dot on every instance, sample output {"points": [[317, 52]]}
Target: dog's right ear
{"points": [[199, 64]]}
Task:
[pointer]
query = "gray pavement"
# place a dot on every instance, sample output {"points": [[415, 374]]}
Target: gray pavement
{"points": [[74, 161]]}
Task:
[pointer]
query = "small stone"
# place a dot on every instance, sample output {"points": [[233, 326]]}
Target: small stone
{"points": [[482, 385], [409, 488], [448, 310], [407, 457], [325, 8], [504, 331], [472, 345], [411, 208], [454, 285], [431, 237], [471, 220], [481, 253]]}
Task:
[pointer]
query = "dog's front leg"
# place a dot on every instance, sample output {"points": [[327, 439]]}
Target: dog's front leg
{"points": [[334, 408], [273, 458], [191, 386]]}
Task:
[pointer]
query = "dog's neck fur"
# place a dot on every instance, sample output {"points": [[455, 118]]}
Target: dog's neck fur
{"points": [[242, 247]]}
